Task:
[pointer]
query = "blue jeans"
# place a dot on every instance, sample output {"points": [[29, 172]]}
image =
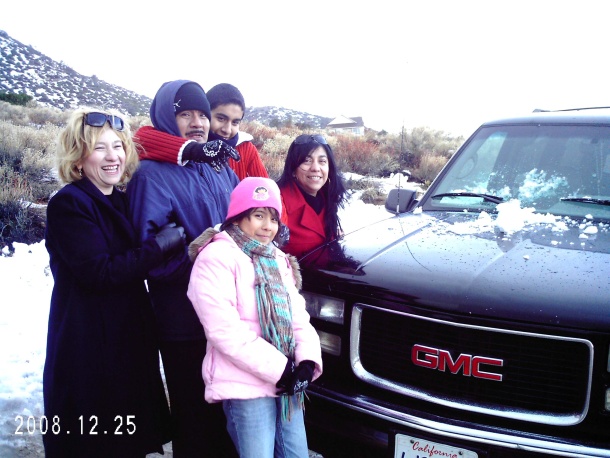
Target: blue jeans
{"points": [[257, 429]]}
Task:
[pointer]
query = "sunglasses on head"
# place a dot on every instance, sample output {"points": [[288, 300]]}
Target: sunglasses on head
{"points": [[304, 139], [97, 119]]}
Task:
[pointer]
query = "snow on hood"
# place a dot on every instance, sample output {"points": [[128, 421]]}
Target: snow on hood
{"points": [[512, 218]]}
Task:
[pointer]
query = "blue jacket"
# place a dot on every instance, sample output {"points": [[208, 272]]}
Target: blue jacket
{"points": [[195, 197]]}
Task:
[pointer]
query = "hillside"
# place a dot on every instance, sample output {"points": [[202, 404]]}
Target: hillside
{"points": [[24, 70]]}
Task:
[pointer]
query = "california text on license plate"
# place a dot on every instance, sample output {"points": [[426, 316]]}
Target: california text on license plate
{"points": [[412, 447]]}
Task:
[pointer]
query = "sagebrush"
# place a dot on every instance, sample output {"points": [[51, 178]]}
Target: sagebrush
{"points": [[27, 149]]}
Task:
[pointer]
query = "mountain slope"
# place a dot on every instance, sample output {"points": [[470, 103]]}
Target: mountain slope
{"points": [[24, 70]]}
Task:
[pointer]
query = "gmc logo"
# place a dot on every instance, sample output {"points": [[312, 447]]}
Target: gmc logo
{"points": [[441, 360]]}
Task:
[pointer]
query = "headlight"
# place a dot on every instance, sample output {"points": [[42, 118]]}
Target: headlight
{"points": [[324, 307], [330, 343]]}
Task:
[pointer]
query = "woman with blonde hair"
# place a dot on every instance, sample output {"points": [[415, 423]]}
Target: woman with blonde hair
{"points": [[103, 392]]}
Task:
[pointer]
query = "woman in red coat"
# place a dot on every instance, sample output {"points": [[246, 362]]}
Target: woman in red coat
{"points": [[312, 193]]}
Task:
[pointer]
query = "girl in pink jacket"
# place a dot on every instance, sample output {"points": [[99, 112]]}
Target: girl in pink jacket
{"points": [[262, 351]]}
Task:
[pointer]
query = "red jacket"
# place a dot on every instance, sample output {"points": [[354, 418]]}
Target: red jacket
{"points": [[306, 226], [164, 147], [250, 164]]}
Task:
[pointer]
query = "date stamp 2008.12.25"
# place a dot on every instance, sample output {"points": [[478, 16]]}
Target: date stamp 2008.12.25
{"points": [[122, 424]]}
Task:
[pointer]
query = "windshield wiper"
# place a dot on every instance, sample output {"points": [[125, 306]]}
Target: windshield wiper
{"points": [[487, 197], [586, 200]]}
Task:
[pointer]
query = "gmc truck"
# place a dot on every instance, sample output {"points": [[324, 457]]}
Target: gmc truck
{"points": [[475, 320]]}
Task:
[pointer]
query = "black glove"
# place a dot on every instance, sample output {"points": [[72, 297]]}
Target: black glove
{"points": [[286, 375], [283, 236], [298, 380], [216, 153], [170, 238]]}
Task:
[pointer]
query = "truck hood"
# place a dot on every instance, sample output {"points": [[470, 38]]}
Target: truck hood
{"points": [[552, 273]]}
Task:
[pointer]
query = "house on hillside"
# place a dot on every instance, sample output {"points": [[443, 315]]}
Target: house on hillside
{"points": [[343, 124]]}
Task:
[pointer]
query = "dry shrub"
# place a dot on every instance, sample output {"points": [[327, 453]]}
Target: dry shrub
{"points": [[362, 156], [20, 220], [16, 138], [41, 116], [273, 154], [423, 141], [429, 166], [31, 116], [38, 167], [16, 114], [26, 178], [372, 191], [135, 122], [359, 184], [14, 186], [274, 166], [374, 195], [30, 152], [271, 146], [260, 132]]}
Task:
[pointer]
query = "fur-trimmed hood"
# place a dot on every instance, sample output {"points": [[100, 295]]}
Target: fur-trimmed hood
{"points": [[200, 242], [207, 236]]}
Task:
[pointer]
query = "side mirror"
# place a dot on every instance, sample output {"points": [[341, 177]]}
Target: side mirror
{"points": [[400, 200]]}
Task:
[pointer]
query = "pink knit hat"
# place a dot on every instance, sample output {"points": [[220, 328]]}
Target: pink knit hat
{"points": [[254, 192]]}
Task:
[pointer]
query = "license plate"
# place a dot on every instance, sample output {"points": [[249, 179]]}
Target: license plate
{"points": [[413, 447]]}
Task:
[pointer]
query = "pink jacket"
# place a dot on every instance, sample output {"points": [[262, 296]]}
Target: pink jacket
{"points": [[239, 363]]}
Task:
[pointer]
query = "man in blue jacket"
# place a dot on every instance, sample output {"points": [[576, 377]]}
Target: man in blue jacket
{"points": [[194, 196]]}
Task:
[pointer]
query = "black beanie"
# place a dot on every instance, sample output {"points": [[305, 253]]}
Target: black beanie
{"points": [[191, 96], [225, 93]]}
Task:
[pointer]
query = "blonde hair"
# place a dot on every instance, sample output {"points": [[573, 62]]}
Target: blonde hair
{"points": [[77, 141]]}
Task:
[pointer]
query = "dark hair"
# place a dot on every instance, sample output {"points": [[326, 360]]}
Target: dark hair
{"points": [[334, 191], [225, 94], [248, 212]]}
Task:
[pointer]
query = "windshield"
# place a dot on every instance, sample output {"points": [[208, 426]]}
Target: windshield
{"points": [[559, 169]]}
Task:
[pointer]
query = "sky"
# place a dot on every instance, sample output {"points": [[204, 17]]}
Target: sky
{"points": [[444, 64]]}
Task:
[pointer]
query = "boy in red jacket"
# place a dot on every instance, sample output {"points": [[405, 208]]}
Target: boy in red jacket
{"points": [[227, 111]]}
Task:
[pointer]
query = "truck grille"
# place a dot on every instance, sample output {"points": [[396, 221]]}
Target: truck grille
{"points": [[545, 379]]}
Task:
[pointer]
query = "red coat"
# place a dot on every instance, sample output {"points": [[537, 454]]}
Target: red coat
{"points": [[306, 226]]}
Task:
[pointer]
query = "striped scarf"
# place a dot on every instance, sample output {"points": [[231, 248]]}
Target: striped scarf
{"points": [[273, 302]]}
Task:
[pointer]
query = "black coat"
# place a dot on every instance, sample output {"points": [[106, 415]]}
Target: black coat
{"points": [[101, 371]]}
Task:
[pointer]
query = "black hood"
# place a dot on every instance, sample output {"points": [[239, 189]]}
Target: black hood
{"points": [[544, 273]]}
